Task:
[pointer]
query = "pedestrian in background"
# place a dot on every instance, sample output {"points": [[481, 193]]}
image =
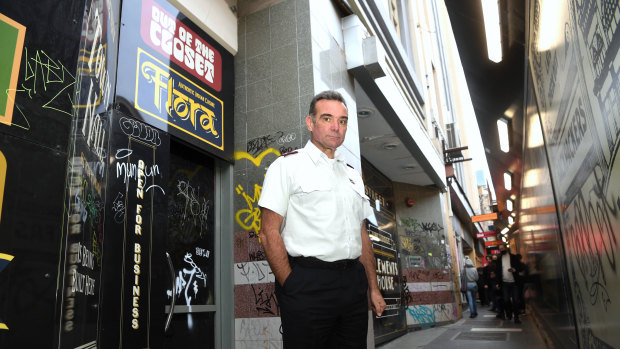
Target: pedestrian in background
{"points": [[471, 278], [495, 286], [509, 268], [482, 291], [522, 279]]}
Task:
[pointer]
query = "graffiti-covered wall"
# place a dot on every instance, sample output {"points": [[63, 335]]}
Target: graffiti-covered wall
{"points": [[287, 53], [425, 256], [273, 86], [37, 80], [574, 50]]}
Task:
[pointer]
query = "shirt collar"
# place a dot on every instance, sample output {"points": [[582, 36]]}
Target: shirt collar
{"points": [[316, 154]]}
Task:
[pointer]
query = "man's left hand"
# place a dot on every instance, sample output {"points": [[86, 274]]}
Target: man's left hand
{"points": [[377, 302]]}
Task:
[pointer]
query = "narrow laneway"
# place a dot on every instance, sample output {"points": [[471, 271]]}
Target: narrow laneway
{"points": [[484, 331]]}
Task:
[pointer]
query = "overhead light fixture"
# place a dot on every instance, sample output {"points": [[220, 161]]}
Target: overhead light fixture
{"points": [[509, 205], [504, 239], [508, 181], [490, 11], [535, 135], [364, 112], [390, 146], [504, 231], [510, 220], [504, 137]]}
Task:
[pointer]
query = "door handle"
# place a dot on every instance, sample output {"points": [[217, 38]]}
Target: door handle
{"points": [[174, 292]]}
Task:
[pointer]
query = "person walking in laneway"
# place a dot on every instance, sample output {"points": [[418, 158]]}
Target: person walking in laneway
{"points": [[471, 278], [509, 268], [482, 282]]}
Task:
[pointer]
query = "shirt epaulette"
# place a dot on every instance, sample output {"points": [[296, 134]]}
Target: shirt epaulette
{"points": [[290, 153]]}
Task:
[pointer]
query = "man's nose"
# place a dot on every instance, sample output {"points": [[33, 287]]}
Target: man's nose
{"points": [[335, 125]]}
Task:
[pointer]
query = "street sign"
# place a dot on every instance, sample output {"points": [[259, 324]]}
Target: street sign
{"points": [[486, 234], [493, 243], [484, 217]]}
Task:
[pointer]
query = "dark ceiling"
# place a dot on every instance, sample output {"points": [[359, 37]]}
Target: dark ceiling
{"points": [[496, 89]]}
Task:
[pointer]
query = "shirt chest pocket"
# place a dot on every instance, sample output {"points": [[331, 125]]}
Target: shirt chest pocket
{"points": [[358, 199], [317, 198]]}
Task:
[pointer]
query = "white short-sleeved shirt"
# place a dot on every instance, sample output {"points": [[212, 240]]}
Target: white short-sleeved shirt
{"points": [[322, 201], [506, 275]]}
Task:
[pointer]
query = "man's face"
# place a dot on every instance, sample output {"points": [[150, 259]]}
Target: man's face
{"points": [[502, 248], [330, 125]]}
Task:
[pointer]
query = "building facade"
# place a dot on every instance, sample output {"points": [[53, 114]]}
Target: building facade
{"points": [[134, 141]]}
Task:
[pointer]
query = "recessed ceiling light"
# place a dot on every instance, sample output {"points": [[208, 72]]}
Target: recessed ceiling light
{"points": [[390, 146], [364, 112]]}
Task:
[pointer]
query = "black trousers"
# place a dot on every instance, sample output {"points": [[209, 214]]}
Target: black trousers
{"points": [[324, 308]]}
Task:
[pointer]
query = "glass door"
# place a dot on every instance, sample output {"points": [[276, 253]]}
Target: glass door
{"points": [[189, 248]]}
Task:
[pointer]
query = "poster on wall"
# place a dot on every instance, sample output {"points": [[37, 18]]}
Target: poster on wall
{"points": [[175, 77]]}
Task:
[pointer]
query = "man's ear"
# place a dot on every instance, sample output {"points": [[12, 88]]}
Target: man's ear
{"points": [[309, 123]]}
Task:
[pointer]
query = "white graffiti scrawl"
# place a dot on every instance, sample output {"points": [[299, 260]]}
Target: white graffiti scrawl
{"points": [[189, 281]]}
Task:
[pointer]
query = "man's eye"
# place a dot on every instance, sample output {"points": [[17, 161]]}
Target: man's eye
{"points": [[328, 119], [343, 122]]}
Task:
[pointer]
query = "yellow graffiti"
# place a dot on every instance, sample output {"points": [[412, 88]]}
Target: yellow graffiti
{"points": [[406, 243], [255, 160], [249, 218]]}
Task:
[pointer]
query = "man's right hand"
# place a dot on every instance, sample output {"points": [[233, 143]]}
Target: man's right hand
{"points": [[275, 251]]}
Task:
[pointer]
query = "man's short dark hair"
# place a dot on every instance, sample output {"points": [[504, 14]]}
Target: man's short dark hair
{"points": [[329, 95]]}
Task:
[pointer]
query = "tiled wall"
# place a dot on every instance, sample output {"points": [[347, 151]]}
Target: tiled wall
{"points": [[287, 53], [273, 79]]}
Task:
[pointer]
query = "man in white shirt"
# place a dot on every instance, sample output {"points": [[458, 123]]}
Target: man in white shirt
{"points": [[313, 209], [509, 266]]}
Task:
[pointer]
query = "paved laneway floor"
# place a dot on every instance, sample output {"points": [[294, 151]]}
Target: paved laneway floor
{"points": [[481, 332]]}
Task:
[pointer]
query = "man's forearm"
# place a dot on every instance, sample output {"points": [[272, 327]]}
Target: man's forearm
{"points": [[368, 260], [275, 251]]}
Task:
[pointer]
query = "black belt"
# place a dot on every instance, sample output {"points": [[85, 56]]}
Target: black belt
{"points": [[313, 262]]}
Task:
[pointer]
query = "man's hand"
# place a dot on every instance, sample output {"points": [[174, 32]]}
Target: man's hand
{"points": [[377, 302], [273, 245]]}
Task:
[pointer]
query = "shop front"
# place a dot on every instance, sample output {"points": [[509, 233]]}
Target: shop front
{"points": [[126, 109]]}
